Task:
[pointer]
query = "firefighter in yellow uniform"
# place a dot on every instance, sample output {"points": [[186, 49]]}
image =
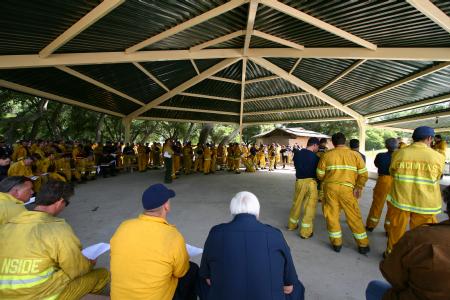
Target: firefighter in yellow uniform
{"points": [[440, 145], [272, 157], [213, 158], [142, 157], [415, 197], [237, 153], [230, 157], [343, 174], [43, 259], [382, 187], [20, 152], [198, 163], [305, 195], [187, 158], [206, 160], [261, 156], [14, 192]]}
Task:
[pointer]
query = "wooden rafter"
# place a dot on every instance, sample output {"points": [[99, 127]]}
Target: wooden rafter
{"points": [[411, 119], [184, 86], [318, 23], [98, 83], [46, 95], [210, 97], [90, 18], [225, 79], [278, 40], [337, 119], [218, 40], [398, 83], [276, 97], [183, 120], [426, 102], [34, 61], [433, 12], [188, 24], [288, 110], [262, 79], [218, 112], [151, 76], [345, 73], [305, 86], [250, 23]]}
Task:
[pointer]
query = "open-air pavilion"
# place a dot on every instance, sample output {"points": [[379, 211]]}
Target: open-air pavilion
{"points": [[380, 63], [240, 62]]}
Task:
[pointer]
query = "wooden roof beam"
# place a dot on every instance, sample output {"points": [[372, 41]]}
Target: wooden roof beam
{"points": [[398, 83], [98, 84], [250, 23], [209, 97], [414, 118], [176, 108], [184, 86], [34, 61], [346, 72], [90, 18], [289, 110], [305, 86], [337, 119], [183, 120], [267, 78], [46, 95], [433, 12], [225, 79], [218, 40], [151, 76], [188, 24], [276, 97], [278, 40], [426, 102], [318, 23]]}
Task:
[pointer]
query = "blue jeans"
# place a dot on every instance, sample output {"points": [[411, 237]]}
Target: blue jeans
{"points": [[376, 289]]}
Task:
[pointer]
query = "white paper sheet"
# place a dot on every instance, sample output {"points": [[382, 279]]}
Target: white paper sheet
{"points": [[193, 251], [32, 200], [94, 251]]}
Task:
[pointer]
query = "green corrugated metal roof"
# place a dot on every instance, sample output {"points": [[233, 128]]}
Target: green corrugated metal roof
{"points": [[28, 26]]}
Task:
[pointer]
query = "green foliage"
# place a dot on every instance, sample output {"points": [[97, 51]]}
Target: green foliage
{"points": [[249, 132]]}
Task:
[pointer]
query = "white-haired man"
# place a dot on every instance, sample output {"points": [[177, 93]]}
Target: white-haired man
{"points": [[246, 259]]}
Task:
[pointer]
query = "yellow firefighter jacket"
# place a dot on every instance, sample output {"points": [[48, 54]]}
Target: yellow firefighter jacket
{"points": [[9, 208], [207, 153], [417, 170], [42, 256], [441, 147], [342, 166], [19, 153], [20, 169]]}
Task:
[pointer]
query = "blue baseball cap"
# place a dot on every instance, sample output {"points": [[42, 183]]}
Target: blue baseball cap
{"points": [[422, 132], [156, 195]]}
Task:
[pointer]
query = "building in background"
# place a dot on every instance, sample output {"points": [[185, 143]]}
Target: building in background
{"points": [[290, 136]]}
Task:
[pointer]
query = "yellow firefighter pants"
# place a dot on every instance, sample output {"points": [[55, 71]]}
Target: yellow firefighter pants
{"points": [[271, 163], [91, 283], [230, 163], [187, 160], [213, 165], [198, 164], [176, 163], [142, 162], [399, 221], [248, 163], [237, 164], [337, 197], [206, 165], [305, 198], [380, 191]]}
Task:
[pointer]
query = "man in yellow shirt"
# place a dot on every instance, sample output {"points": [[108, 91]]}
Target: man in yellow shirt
{"points": [[415, 197], [440, 145], [343, 174], [43, 258], [14, 192], [148, 255]]}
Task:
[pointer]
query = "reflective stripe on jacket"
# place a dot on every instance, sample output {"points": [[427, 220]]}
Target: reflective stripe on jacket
{"points": [[42, 256], [417, 170], [342, 166]]}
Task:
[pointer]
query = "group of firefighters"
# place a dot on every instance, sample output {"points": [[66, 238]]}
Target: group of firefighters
{"points": [[408, 178]]}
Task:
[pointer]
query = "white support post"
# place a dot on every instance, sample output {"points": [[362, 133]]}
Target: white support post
{"points": [[362, 134], [126, 122], [241, 117]]}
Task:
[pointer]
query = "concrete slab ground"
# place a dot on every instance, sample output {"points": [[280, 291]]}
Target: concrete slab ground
{"points": [[99, 207]]}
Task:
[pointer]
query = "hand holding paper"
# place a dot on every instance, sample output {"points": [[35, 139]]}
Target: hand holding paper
{"points": [[193, 251], [94, 251]]}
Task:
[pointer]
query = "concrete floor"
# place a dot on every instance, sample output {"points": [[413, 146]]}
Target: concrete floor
{"points": [[98, 208]]}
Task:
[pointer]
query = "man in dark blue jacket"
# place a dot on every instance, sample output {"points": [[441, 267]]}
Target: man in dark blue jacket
{"points": [[247, 260]]}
